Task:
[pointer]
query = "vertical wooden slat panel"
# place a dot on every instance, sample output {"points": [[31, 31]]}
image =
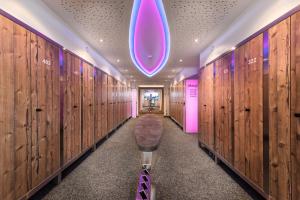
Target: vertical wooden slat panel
{"points": [[22, 110], [110, 103], [72, 107], [295, 104], [98, 102], [104, 105], [45, 108], [206, 108], [256, 111], [7, 154], [54, 151], [248, 98], [239, 114], [223, 107], [279, 113], [88, 106], [38, 106]]}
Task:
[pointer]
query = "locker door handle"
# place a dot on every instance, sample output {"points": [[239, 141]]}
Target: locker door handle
{"points": [[222, 107], [102, 104], [75, 106], [38, 110], [247, 109], [297, 115], [90, 104], [204, 105]]}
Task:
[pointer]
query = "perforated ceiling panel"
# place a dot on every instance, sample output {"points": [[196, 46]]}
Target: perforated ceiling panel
{"points": [[105, 25]]}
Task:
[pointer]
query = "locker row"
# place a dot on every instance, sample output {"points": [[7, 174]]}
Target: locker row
{"points": [[249, 109], [54, 107]]}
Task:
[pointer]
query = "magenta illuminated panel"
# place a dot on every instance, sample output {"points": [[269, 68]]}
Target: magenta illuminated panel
{"points": [[191, 106]]}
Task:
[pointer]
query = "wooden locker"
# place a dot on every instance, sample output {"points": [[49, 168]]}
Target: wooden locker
{"points": [[223, 107], [279, 110], [295, 104], [110, 111], [117, 100], [248, 116], [122, 103], [88, 106], [104, 105], [72, 107], [45, 96], [15, 118], [129, 96], [115, 104], [98, 105], [206, 117]]}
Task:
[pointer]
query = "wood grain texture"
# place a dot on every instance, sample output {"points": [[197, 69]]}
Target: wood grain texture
{"points": [[45, 94], [88, 105], [72, 107], [295, 105], [223, 107], [279, 110], [248, 110], [110, 98], [206, 106], [177, 102], [98, 105], [15, 107], [104, 105]]}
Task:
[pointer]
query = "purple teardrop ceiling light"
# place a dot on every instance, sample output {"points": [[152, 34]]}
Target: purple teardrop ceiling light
{"points": [[149, 36]]}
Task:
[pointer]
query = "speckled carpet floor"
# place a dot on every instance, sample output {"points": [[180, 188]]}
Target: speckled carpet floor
{"points": [[181, 171]]}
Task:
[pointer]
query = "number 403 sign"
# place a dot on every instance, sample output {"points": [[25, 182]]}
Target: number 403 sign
{"points": [[47, 62]]}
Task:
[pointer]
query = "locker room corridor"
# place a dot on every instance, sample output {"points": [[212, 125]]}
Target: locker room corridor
{"points": [[149, 99], [110, 172]]}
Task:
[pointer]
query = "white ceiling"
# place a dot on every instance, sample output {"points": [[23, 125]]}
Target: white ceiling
{"points": [[108, 20]]}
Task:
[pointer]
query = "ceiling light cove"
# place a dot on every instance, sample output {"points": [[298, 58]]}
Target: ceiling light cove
{"points": [[149, 36]]}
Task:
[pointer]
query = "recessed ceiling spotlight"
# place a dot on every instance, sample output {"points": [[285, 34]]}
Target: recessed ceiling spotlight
{"points": [[233, 48], [196, 40], [118, 60], [180, 60], [101, 40]]}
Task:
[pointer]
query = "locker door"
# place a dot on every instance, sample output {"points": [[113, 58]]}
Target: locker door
{"points": [[104, 105], [279, 110], [249, 110], [98, 105], [206, 123], [223, 107], [110, 103], [72, 107], [15, 126], [295, 104], [45, 94], [88, 105]]}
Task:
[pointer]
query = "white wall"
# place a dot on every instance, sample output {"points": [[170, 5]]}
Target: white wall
{"points": [[38, 16], [185, 73], [252, 20]]}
